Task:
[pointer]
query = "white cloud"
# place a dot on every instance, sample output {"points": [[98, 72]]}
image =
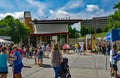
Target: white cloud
{"points": [[62, 13], [58, 14], [72, 4], [14, 14], [91, 8], [41, 7], [77, 26], [51, 11]]}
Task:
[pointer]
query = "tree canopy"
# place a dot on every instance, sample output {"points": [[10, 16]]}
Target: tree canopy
{"points": [[87, 30], [114, 19], [13, 28], [73, 32]]}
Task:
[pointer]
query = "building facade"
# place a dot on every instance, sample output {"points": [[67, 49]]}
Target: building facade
{"points": [[47, 30], [96, 22]]}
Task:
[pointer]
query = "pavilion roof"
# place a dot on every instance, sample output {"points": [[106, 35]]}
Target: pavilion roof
{"points": [[57, 21]]}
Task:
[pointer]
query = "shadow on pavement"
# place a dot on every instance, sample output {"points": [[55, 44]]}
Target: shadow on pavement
{"points": [[27, 66], [46, 66]]}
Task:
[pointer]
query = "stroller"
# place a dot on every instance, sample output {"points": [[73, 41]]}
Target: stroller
{"points": [[64, 69]]}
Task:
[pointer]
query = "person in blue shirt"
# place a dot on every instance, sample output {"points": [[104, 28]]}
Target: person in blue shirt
{"points": [[115, 60], [17, 62], [3, 62]]}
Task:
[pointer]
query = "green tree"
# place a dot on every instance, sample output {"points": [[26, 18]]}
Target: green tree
{"points": [[91, 30], [4, 28], [13, 28], [73, 32], [114, 20], [84, 31]]}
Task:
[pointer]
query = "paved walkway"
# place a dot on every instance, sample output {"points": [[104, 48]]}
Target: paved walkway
{"points": [[81, 66]]}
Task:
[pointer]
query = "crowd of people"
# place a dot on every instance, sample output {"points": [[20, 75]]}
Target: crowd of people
{"points": [[13, 54]]}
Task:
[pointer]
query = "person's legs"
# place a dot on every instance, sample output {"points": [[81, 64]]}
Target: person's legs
{"points": [[111, 69], [31, 55], [41, 62], [115, 70], [17, 71], [17, 75], [79, 52], [3, 75], [13, 75], [47, 54], [38, 61], [20, 75], [35, 59], [56, 71], [27, 54]]}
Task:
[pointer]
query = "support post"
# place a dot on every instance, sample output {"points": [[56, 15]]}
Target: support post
{"points": [[67, 38]]}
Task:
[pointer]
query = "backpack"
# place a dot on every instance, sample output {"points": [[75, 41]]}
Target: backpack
{"points": [[40, 52]]}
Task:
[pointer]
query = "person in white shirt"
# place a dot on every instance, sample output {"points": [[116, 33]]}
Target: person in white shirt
{"points": [[113, 52]]}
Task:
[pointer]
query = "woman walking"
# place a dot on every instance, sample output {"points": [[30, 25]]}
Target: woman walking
{"points": [[56, 57]]}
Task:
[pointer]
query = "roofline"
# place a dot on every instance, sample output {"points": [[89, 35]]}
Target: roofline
{"points": [[50, 34], [67, 21]]}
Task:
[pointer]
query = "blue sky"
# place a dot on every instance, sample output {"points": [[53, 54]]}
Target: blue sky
{"points": [[52, 9]]}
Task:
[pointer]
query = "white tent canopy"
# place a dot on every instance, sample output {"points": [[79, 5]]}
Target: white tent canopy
{"points": [[5, 41]]}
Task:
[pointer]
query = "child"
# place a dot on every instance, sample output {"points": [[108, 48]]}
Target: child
{"points": [[17, 62], [3, 62]]}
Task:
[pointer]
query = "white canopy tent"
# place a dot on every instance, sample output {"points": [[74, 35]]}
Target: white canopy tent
{"points": [[5, 41]]}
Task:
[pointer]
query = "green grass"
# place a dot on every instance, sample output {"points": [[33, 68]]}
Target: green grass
{"points": [[103, 34]]}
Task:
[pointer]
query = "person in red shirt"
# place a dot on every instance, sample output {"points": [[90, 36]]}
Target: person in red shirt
{"points": [[64, 48], [19, 49]]}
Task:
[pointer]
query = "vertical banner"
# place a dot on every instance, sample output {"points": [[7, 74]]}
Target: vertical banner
{"points": [[93, 42], [88, 41]]}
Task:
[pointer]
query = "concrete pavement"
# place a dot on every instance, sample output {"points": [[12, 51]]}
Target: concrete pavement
{"points": [[81, 66]]}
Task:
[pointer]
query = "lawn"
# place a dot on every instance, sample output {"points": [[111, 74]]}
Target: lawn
{"points": [[103, 34]]}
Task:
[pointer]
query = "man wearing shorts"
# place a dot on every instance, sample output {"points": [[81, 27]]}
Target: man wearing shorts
{"points": [[115, 60], [17, 63], [113, 52]]}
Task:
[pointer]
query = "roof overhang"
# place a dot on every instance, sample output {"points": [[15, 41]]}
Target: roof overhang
{"points": [[50, 34], [68, 21]]}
